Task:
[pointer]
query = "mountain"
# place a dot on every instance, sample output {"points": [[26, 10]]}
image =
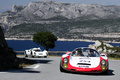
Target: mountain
{"points": [[65, 20]]}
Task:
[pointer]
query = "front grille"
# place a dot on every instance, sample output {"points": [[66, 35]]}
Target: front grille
{"points": [[83, 64]]}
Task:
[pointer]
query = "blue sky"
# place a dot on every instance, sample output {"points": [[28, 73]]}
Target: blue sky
{"points": [[7, 4]]}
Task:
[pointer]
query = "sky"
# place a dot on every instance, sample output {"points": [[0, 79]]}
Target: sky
{"points": [[7, 4]]}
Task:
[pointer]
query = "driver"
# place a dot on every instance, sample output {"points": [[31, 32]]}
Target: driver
{"points": [[92, 54], [79, 53]]}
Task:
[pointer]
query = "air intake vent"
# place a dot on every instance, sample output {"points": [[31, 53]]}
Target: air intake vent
{"points": [[83, 64]]}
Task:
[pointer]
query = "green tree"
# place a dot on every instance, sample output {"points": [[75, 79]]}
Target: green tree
{"points": [[45, 39]]}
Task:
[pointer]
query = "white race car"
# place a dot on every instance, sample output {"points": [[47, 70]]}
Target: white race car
{"points": [[84, 60], [35, 52]]}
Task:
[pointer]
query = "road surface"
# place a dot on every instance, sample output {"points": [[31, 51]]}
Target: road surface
{"points": [[48, 69]]}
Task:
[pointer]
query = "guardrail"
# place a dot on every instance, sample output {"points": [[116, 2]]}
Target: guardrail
{"points": [[50, 53], [59, 53]]}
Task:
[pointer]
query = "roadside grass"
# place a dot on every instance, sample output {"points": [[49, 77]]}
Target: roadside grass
{"points": [[24, 62], [112, 58]]}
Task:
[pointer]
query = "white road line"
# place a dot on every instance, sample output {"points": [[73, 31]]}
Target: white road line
{"points": [[33, 66], [29, 67]]}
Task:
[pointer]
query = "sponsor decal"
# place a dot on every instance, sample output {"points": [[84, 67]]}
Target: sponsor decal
{"points": [[85, 58], [85, 61]]}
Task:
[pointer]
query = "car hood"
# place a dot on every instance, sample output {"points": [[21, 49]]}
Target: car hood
{"points": [[85, 62]]}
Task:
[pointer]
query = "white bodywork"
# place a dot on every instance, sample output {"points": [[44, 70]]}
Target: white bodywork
{"points": [[91, 62], [85, 61], [35, 52]]}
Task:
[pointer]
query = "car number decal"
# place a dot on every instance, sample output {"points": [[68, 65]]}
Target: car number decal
{"points": [[85, 61]]}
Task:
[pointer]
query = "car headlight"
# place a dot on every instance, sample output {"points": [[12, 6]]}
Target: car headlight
{"points": [[103, 64], [65, 63]]}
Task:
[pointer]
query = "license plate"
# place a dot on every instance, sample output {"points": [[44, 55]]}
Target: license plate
{"points": [[40, 54], [84, 66]]}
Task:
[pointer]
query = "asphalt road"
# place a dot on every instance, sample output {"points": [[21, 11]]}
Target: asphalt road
{"points": [[48, 69]]}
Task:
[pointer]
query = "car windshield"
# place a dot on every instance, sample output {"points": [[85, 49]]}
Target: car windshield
{"points": [[37, 50], [85, 52]]}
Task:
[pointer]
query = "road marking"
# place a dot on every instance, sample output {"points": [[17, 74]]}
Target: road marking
{"points": [[29, 67], [35, 67]]}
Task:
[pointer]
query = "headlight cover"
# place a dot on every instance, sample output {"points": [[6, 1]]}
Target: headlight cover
{"points": [[103, 64], [65, 62]]}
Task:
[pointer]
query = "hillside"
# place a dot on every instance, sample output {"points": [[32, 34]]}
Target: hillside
{"points": [[65, 20], [101, 46]]}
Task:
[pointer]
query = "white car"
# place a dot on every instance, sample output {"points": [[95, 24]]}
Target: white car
{"points": [[35, 52]]}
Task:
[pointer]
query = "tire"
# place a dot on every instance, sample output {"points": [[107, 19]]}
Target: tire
{"points": [[105, 72], [32, 55], [45, 56], [25, 54], [61, 69]]}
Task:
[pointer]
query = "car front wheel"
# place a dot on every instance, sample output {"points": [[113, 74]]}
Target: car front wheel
{"points": [[32, 55], [25, 54], [105, 72], [61, 69], [45, 56]]}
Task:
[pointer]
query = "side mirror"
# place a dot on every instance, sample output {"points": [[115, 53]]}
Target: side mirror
{"points": [[68, 53], [103, 54]]}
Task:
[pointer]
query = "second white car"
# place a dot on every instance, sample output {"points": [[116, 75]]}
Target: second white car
{"points": [[36, 52]]}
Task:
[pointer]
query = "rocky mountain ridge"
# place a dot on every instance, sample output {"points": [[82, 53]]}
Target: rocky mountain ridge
{"points": [[37, 11], [104, 47], [56, 15]]}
